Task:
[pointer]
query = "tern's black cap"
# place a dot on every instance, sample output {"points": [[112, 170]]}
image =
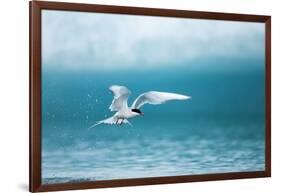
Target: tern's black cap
{"points": [[137, 111]]}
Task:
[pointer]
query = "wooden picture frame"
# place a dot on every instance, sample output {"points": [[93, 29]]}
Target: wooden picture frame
{"points": [[36, 7]]}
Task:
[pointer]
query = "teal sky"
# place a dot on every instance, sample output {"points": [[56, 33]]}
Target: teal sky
{"points": [[101, 42]]}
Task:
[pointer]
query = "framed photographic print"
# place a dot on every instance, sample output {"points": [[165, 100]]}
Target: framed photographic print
{"points": [[123, 96]]}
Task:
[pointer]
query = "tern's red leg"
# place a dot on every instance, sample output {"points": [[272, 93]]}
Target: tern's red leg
{"points": [[121, 121]]}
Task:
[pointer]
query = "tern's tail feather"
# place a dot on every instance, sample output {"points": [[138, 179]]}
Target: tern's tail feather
{"points": [[112, 121]]}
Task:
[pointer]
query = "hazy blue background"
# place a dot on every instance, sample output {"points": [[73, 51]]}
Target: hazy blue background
{"points": [[220, 64]]}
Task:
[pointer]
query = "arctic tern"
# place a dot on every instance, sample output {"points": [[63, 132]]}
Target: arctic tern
{"points": [[123, 112]]}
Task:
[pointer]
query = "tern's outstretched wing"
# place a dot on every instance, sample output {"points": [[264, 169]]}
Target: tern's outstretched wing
{"points": [[157, 98], [120, 97]]}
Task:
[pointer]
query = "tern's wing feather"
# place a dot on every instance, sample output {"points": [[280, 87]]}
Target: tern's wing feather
{"points": [[156, 98], [120, 97]]}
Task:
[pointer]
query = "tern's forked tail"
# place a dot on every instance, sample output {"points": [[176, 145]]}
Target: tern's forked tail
{"points": [[114, 120]]}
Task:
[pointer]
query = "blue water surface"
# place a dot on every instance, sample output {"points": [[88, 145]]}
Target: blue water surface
{"points": [[221, 129]]}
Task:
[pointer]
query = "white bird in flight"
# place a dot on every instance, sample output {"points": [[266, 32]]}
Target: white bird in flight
{"points": [[123, 112]]}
